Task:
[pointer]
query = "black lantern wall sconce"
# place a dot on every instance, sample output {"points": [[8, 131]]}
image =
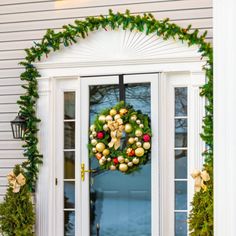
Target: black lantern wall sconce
{"points": [[18, 126]]}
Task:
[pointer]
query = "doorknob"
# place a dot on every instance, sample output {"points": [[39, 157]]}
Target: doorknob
{"points": [[83, 171]]}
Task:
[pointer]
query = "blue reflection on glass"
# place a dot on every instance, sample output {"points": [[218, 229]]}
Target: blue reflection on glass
{"points": [[181, 101], [69, 223], [181, 137], [181, 164], [181, 195], [180, 224], [120, 204], [69, 194]]}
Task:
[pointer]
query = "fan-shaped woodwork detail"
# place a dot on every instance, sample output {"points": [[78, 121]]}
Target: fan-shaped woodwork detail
{"points": [[120, 45]]}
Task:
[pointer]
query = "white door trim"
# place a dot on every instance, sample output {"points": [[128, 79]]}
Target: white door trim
{"points": [[45, 195]]}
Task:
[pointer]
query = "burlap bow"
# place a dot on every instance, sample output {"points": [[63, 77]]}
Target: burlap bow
{"points": [[116, 127], [200, 177], [16, 181]]}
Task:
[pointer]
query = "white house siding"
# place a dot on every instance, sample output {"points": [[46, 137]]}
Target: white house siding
{"points": [[25, 21]]}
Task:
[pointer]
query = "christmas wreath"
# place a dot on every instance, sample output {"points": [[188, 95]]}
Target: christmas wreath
{"points": [[120, 138]]}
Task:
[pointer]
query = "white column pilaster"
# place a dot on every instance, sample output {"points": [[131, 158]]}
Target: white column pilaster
{"points": [[225, 117]]}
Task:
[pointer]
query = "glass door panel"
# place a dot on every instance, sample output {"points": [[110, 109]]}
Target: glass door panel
{"points": [[120, 204]]}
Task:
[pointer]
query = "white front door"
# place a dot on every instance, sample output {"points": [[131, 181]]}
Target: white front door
{"points": [[114, 203]]}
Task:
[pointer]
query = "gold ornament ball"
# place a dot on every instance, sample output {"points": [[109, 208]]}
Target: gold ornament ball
{"points": [[112, 167], [106, 152], [91, 136], [138, 133], [94, 142], [94, 150], [92, 128], [136, 139], [146, 145], [103, 158], [121, 159], [139, 152], [138, 144], [123, 111], [130, 164], [109, 118], [94, 133], [113, 112], [117, 116], [102, 118], [126, 160], [101, 162], [100, 147], [131, 140], [128, 128], [135, 161], [108, 159], [123, 167], [133, 117], [141, 126], [138, 122], [105, 127]]}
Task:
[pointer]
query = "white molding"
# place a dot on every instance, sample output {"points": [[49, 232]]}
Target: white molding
{"points": [[54, 65], [43, 196], [224, 118], [133, 52], [122, 69], [52, 73]]}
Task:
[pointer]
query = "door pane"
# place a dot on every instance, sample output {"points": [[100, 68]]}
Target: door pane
{"points": [[181, 166], [181, 101], [69, 194], [181, 133], [181, 224], [120, 204], [69, 165], [181, 195], [69, 223], [69, 135], [69, 105]]}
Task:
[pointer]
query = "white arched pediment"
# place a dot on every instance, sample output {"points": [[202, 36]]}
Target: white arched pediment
{"points": [[120, 47]]}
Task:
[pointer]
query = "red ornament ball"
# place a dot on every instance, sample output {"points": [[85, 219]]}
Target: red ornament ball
{"points": [[115, 161], [130, 152], [146, 138], [100, 135]]}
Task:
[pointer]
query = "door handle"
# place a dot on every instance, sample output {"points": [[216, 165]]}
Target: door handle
{"points": [[83, 171]]}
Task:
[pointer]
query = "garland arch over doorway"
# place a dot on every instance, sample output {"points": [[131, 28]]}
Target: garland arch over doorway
{"points": [[149, 25]]}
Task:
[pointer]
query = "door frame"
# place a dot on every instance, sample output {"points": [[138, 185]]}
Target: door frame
{"points": [[46, 189]]}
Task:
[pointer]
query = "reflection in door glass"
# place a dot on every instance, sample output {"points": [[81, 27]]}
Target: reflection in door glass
{"points": [[69, 163], [181, 160], [120, 204]]}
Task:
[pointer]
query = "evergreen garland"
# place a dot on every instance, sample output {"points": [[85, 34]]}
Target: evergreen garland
{"points": [[201, 218]]}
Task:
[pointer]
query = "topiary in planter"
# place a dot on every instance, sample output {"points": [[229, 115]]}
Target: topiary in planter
{"points": [[17, 216]]}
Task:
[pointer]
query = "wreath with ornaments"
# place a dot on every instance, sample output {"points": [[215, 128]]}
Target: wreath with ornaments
{"points": [[120, 138]]}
